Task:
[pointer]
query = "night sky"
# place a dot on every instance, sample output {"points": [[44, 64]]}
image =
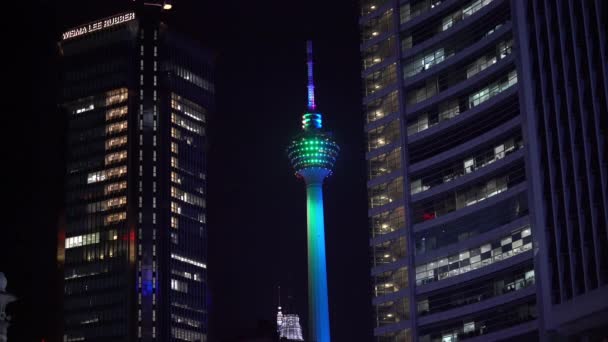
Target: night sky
{"points": [[256, 207]]}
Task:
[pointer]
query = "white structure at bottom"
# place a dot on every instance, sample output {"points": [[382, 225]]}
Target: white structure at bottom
{"points": [[289, 326], [5, 299]]}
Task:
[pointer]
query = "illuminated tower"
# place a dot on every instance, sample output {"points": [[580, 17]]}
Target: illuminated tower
{"points": [[312, 154]]}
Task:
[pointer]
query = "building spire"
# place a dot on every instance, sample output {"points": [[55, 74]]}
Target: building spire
{"points": [[312, 106], [311, 120]]}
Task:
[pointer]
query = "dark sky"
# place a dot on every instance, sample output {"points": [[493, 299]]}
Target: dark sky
{"points": [[256, 207]]}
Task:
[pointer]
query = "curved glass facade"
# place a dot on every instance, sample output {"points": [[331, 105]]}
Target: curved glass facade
{"points": [[445, 156], [486, 154]]}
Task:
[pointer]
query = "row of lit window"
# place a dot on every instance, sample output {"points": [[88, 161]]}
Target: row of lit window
{"points": [[389, 251], [392, 311], [115, 157], [113, 218], [382, 107], [188, 260], [446, 23], [111, 97], [176, 178], [380, 79], [385, 193], [388, 221], [465, 166], [384, 163], [466, 261], [89, 239], [188, 107], [193, 78], [187, 275], [493, 89], [114, 187], [186, 124], [377, 53], [108, 204], [117, 96], [187, 197], [116, 113], [384, 135], [81, 240], [177, 134], [184, 320], [179, 286], [116, 127], [188, 335], [390, 281], [115, 142], [101, 176], [465, 197]]}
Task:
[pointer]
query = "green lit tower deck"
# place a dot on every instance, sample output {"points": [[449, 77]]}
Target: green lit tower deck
{"points": [[313, 153]]}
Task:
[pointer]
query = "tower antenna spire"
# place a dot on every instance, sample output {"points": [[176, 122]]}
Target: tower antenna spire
{"points": [[312, 106]]}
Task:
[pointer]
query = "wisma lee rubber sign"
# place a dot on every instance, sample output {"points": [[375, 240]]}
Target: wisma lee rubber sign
{"points": [[98, 25]]}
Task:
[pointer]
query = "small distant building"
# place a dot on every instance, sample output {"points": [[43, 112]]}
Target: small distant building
{"points": [[288, 325], [290, 328], [5, 299]]}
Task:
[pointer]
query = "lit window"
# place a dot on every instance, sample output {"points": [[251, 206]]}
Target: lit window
{"points": [[187, 197], [81, 240], [175, 178], [114, 187], [116, 157], [115, 142], [174, 222], [188, 260], [107, 204], [85, 109], [116, 113], [116, 96], [180, 286], [116, 127], [186, 124], [188, 108], [100, 176], [113, 218], [175, 133], [176, 208], [113, 234]]}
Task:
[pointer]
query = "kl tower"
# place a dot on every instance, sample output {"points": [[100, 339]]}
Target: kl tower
{"points": [[313, 153]]}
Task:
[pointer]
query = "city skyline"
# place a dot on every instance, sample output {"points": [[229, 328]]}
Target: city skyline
{"points": [[270, 85], [259, 238]]}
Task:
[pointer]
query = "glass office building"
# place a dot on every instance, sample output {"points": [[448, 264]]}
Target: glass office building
{"points": [[133, 247], [486, 125]]}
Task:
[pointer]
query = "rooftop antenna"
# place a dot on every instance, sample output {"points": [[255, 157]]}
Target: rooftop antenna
{"points": [[279, 291]]}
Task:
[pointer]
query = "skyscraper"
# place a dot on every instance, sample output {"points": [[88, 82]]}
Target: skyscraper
{"points": [[486, 124], [133, 248], [313, 153]]}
